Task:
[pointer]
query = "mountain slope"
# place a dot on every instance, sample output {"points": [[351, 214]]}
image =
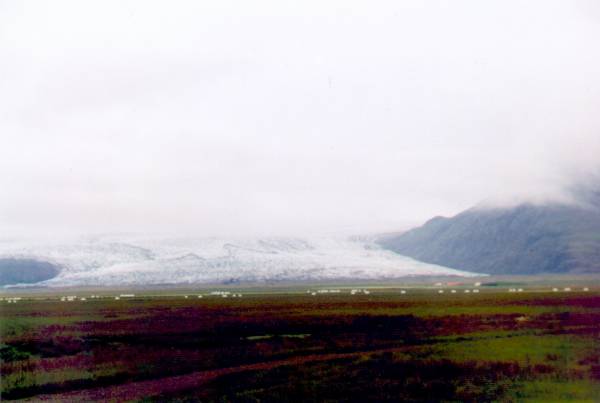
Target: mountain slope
{"points": [[25, 271], [526, 239]]}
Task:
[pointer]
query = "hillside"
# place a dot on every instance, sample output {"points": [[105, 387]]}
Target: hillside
{"points": [[14, 271], [526, 239]]}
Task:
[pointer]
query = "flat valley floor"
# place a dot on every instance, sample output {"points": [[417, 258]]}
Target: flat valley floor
{"points": [[290, 345]]}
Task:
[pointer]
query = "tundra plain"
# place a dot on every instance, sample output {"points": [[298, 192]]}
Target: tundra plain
{"points": [[391, 343]]}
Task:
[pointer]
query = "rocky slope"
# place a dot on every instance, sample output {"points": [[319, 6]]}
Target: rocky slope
{"points": [[525, 239]]}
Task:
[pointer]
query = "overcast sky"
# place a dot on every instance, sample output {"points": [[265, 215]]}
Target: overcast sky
{"points": [[278, 117]]}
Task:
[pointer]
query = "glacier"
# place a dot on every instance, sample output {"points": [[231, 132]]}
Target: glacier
{"points": [[138, 260]]}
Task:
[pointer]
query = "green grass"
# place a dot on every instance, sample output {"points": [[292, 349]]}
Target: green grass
{"points": [[555, 391], [563, 350], [25, 379]]}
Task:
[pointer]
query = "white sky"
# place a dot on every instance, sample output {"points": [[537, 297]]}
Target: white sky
{"points": [[279, 117]]}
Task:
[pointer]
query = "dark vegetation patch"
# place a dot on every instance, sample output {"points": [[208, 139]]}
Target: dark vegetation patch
{"points": [[12, 353], [378, 377]]}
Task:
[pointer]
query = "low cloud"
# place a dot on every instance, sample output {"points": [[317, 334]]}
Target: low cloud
{"points": [[283, 118]]}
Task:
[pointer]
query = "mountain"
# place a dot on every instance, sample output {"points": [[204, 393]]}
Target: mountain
{"points": [[13, 270], [131, 260], [525, 239]]}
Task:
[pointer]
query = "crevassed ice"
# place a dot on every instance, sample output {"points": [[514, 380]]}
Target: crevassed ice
{"points": [[113, 261]]}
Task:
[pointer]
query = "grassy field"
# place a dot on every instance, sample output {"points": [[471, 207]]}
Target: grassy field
{"points": [[288, 345]]}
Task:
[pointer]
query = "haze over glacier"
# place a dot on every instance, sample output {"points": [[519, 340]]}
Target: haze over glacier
{"points": [[110, 261]]}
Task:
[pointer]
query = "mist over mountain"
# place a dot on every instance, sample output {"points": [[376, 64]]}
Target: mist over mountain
{"points": [[354, 118], [523, 239]]}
